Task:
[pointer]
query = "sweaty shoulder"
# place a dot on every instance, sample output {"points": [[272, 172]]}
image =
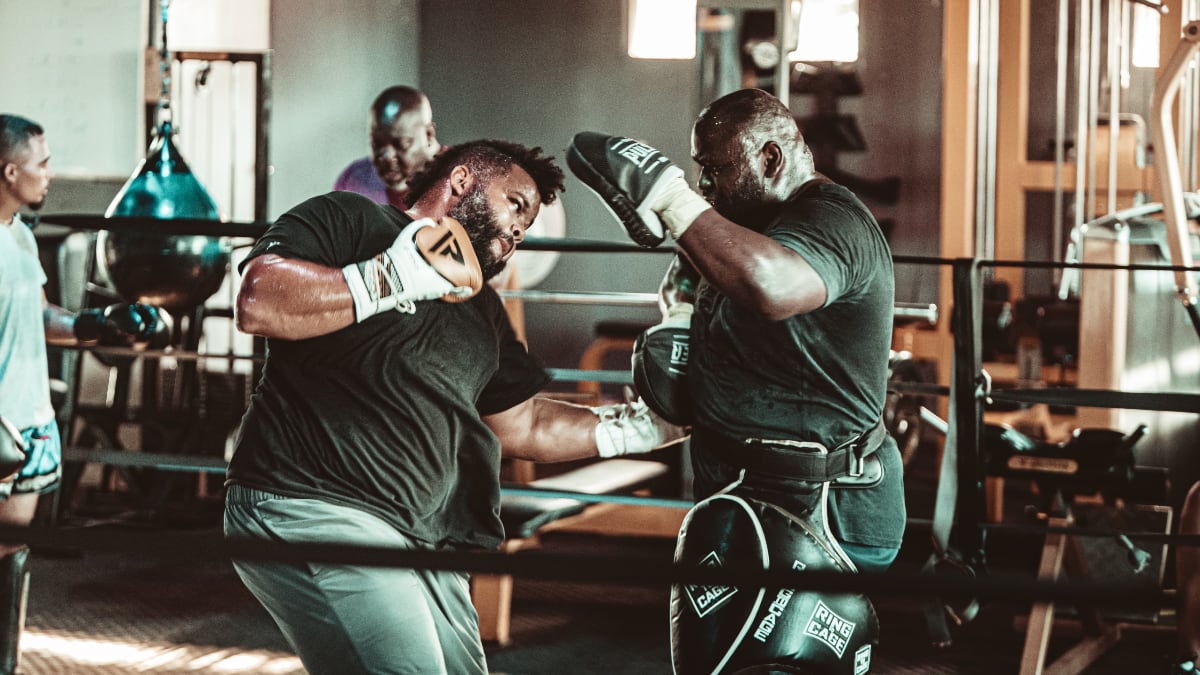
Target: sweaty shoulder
{"points": [[836, 234], [823, 207], [834, 197]]}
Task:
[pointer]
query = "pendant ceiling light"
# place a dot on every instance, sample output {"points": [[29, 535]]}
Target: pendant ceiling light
{"points": [[176, 272]]}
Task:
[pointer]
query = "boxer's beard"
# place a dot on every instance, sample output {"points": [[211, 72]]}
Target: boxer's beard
{"points": [[745, 204], [482, 226], [36, 206]]}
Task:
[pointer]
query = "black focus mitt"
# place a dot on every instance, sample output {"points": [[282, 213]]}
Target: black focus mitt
{"points": [[660, 360], [641, 186]]}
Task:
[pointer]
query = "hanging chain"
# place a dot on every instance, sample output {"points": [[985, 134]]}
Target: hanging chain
{"points": [[164, 69]]}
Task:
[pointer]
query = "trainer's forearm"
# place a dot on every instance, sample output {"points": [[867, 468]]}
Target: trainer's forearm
{"points": [[59, 324], [292, 299]]}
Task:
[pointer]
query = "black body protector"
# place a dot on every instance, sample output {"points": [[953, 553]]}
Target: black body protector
{"points": [[728, 630]]}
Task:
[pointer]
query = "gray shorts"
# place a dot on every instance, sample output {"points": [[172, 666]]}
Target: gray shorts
{"points": [[343, 619]]}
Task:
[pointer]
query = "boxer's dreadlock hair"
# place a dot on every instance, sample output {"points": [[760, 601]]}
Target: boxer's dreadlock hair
{"points": [[488, 158]]}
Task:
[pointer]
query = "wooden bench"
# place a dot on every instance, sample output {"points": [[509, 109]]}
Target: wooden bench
{"points": [[527, 517]]}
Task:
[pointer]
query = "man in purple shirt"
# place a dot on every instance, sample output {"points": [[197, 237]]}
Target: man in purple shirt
{"points": [[403, 140]]}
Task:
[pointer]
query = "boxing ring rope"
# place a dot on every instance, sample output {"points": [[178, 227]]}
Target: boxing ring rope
{"points": [[925, 312], [967, 391], [902, 310], [633, 570]]}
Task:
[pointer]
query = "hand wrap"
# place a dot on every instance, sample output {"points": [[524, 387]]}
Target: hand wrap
{"points": [[429, 260], [631, 428]]}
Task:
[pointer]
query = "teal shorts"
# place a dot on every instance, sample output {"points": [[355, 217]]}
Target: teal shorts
{"points": [[42, 470]]}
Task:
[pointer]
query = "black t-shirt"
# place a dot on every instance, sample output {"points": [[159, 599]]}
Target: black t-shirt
{"points": [[819, 376], [384, 415]]}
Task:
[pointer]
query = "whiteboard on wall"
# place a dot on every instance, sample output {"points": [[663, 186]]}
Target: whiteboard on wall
{"points": [[73, 66]]}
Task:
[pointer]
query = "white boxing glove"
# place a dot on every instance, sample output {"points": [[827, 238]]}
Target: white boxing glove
{"points": [[429, 260], [632, 428]]}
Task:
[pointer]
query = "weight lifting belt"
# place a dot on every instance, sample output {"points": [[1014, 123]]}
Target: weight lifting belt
{"points": [[847, 464]]}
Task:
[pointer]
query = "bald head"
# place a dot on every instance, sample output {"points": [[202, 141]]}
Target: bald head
{"points": [[395, 101], [403, 137], [751, 153], [752, 115]]}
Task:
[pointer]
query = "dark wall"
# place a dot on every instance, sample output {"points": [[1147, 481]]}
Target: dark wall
{"points": [[900, 116], [329, 61], [538, 71]]}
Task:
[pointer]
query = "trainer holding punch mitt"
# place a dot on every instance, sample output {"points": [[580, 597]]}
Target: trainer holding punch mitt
{"points": [[782, 297]]}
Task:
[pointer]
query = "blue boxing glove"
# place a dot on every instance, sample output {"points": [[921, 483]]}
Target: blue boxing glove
{"points": [[645, 191], [125, 325]]}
